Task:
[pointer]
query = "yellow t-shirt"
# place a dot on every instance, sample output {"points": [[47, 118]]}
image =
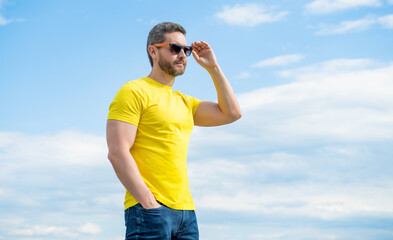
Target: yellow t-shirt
{"points": [[165, 121]]}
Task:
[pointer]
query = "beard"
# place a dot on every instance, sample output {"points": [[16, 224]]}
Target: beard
{"points": [[169, 68]]}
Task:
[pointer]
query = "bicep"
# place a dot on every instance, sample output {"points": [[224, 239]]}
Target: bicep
{"points": [[120, 135], [209, 114]]}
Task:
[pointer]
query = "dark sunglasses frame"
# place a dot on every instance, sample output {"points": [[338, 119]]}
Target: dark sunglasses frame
{"points": [[176, 48]]}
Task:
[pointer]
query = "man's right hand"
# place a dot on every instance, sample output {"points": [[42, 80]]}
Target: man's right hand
{"points": [[151, 206]]}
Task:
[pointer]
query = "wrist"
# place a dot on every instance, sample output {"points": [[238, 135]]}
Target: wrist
{"points": [[149, 201], [214, 69]]}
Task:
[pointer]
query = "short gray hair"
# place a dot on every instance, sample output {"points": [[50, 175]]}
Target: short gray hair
{"points": [[157, 34]]}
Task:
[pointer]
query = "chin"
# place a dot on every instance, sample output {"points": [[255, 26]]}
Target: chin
{"points": [[179, 72]]}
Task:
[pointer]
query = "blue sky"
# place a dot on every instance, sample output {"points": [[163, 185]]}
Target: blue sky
{"points": [[311, 157]]}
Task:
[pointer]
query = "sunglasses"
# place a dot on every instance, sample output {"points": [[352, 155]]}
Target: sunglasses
{"points": [[176, 48]]}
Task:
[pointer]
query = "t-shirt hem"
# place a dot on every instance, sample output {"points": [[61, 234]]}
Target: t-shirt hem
{"points": [[128, 205]]}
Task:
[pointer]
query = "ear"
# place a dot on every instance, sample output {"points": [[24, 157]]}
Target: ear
{"points": [[152, 51]]}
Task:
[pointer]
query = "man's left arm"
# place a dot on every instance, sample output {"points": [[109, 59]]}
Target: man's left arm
{"points": [[227, 109]]}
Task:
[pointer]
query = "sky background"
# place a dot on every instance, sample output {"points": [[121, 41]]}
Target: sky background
{"points": [[311, 158]]}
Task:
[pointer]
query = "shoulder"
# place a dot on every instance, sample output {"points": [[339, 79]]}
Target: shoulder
{"points": [[182, 95], [134, 87], [177, 92], [192, 101]]}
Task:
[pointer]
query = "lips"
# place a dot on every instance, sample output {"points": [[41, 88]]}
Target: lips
{"points": [[180, 63]]}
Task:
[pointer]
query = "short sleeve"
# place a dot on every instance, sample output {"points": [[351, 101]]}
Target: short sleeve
{"points": [[192, 101], [127, 106]]}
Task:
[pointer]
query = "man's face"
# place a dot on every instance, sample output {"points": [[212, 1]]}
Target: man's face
{"points": [[171, 63]]}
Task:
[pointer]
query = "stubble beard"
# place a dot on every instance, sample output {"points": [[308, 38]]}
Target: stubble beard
{"points": [[169, 68]]}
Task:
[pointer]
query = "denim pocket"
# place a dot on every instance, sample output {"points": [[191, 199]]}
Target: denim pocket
{"points": [[155, 211], [149, 209]]}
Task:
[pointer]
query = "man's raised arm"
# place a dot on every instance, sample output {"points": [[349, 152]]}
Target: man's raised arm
{"points": [[227, 109]]}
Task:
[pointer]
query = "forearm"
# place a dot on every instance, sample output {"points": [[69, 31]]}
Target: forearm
{"points": [[227, 109], [129, 175], [226, 97]]}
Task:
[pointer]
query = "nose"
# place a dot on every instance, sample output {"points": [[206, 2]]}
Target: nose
{"points": [[182, 53]]}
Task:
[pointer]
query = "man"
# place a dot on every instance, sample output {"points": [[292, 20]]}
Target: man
{"points": [[148, 131]]}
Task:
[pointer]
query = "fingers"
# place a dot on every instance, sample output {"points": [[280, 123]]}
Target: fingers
{"points": [[199, 46], [195, 55]]}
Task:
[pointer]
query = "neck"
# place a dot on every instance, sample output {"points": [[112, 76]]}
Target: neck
{"points": [[161, 77]]}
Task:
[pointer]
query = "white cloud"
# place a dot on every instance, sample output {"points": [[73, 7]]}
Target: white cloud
{"points": [[347, 26], [386, 21], [311, 200], [40, 230], [341, 100], [56, 176], [282, 184], [248, 15], [70, 148], [329, 68], [329, 6], [4, 21], [243, 75], [279, 60], [356, 25], [330, 102], [44, 230], [90, 228]]}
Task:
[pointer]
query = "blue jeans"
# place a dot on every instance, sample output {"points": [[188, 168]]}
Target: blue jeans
{"points": [[161, 223]]}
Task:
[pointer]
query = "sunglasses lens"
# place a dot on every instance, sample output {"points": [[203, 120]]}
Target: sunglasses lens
{"points": [[175, 48], [187, 51]]}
